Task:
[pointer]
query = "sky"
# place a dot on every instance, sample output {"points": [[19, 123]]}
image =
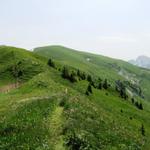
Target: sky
{"points": [[115, 28]]}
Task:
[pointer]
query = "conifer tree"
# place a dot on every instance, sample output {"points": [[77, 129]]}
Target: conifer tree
{"points": [[132, 100], [141, 106], [105, 85], [51, 63], [65, 73], [90, 88], [142, 130], [83, 76], [73, 77], [89, 78], [100, 85]]}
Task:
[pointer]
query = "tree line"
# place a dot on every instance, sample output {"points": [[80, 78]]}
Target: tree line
{"points": [[97, 83]]}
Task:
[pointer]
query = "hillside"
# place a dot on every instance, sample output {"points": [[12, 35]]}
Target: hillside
{"points": [[16, 61], [100, 66], [50, 112]]}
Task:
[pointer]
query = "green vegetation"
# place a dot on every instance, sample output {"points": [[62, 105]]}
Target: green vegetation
{"points": [[18, 64], [100, 66], [68, 102]]}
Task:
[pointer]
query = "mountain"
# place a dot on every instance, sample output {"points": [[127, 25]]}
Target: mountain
{"points": [[71, 100], [98, 65], [141, 61]]}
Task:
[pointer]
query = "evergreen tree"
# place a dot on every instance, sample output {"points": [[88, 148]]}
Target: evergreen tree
{"points": [[73, 77], [132, 100], [65, 73], [78, 73], [51, 63], [83, 76], [17, 70], [122, 93], [137, 104], [89, 78], [140, 92], [100, 85], [120, 87], [141, 106], [87, 93], [90, 88], [142, 130], [93, 84], [105, 84]]}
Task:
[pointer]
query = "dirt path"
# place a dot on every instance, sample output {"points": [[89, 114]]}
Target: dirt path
{"points": [[8, 88], [56, 126]]}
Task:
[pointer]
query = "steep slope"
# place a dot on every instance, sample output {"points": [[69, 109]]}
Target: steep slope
{"points": [[101, 66]]}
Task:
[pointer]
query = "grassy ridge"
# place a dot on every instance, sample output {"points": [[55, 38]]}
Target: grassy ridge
{"points": [[42, 115], [29, 63], [101, 66]]}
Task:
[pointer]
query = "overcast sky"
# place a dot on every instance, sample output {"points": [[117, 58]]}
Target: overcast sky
{"points": [[116, 28]]}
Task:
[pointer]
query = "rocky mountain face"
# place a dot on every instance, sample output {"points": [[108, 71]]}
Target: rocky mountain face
{"points": [[141, 61]]}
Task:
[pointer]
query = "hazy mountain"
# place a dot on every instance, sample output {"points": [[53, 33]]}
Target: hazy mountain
{"points": [[141, 61]]}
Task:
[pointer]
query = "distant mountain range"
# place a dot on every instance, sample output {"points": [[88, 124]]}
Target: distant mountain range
{"points": [[141, 61]]}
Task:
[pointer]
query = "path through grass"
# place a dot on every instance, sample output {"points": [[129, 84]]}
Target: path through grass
{"points": [[56, 126]]}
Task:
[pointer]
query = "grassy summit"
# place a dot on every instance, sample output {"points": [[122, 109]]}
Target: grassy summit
{"points": [[48, 112], [13, 59]]}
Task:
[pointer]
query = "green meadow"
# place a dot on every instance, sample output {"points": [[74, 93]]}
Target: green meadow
{"points": [[49, 112]]}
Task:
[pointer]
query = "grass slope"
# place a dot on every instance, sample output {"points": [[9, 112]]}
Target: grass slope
{"points": [[99, 65], [41, 115], [29, 63]]}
